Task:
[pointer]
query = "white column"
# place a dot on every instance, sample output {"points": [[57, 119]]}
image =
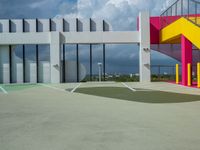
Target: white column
{"points": [[144, 30], [55, 57], [4, 64]]}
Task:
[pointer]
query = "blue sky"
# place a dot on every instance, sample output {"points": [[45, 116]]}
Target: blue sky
{"points": [[35, 8], [121, 14]]}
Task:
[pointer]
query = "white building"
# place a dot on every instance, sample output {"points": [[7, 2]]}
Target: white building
{"points": [[55, 33]]}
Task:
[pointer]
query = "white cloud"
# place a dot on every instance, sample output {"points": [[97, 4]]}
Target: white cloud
{"points": [[38, 4], [122, 14]]}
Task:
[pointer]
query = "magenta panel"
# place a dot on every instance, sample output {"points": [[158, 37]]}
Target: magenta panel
{"points": [[186, 57], [154, 30]]}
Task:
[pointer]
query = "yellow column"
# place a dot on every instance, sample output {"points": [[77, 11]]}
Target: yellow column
{"points": [[189, 74], [198, 75], [177, 74]]}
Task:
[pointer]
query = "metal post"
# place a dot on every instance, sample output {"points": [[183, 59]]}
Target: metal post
{"points": [[188, 8], [90, 52], [104, 60], [10, 62], [161, 21], [64, 63], [181, 7], [23, 53], [159, 72], [172, 72], [37, 55], [171, 18], [100, 71], [77, 53], [77, 61], [104, 63], [24, 64], [90, 62], [196, 13], [172, 11], [167, 17], [37, 63]]}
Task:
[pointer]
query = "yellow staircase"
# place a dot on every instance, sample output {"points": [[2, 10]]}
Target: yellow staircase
{"points": [[183, 26]]}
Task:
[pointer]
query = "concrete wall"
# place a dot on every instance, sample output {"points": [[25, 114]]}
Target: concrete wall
{"points": [[30, 25], [55, 58], [57, 24], [83, 25], [101, 37], [43, 25], [4, 26], [97, 25], [145, 51], [16, 25]]}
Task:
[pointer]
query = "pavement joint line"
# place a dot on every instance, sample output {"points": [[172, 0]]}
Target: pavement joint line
{"points": [[74, 89], [55, 88], [3, 90], [130, 88]]}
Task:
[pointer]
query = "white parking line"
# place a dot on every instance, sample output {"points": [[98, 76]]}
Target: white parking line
{"points": [[72, 91], [55, 88], [3, 90], [145, 90], [130, 88]]}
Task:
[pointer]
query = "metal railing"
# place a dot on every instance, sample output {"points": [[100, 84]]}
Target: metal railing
{"points": [[168, 72], [190, 9], [162, 72]]}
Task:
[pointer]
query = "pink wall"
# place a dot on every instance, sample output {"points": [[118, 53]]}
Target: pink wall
{"points": [[156, 23], [154, 30]]}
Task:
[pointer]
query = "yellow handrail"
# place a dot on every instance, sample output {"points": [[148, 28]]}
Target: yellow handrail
{"points": [[177, 73], [198, 75], [189, 74]]}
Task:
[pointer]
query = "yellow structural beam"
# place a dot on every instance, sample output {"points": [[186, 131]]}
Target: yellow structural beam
{"points": [[182, 26], [198, 75], [189, 74], [177, 73]]}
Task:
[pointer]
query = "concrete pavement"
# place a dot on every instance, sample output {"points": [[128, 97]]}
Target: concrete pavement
{"points": [[42, 118]]}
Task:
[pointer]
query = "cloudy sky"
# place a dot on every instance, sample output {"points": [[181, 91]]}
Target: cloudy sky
{"points": [[121, 14]]}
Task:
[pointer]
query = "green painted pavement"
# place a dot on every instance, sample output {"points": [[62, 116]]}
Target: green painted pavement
{"points": [[138, 96]]}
